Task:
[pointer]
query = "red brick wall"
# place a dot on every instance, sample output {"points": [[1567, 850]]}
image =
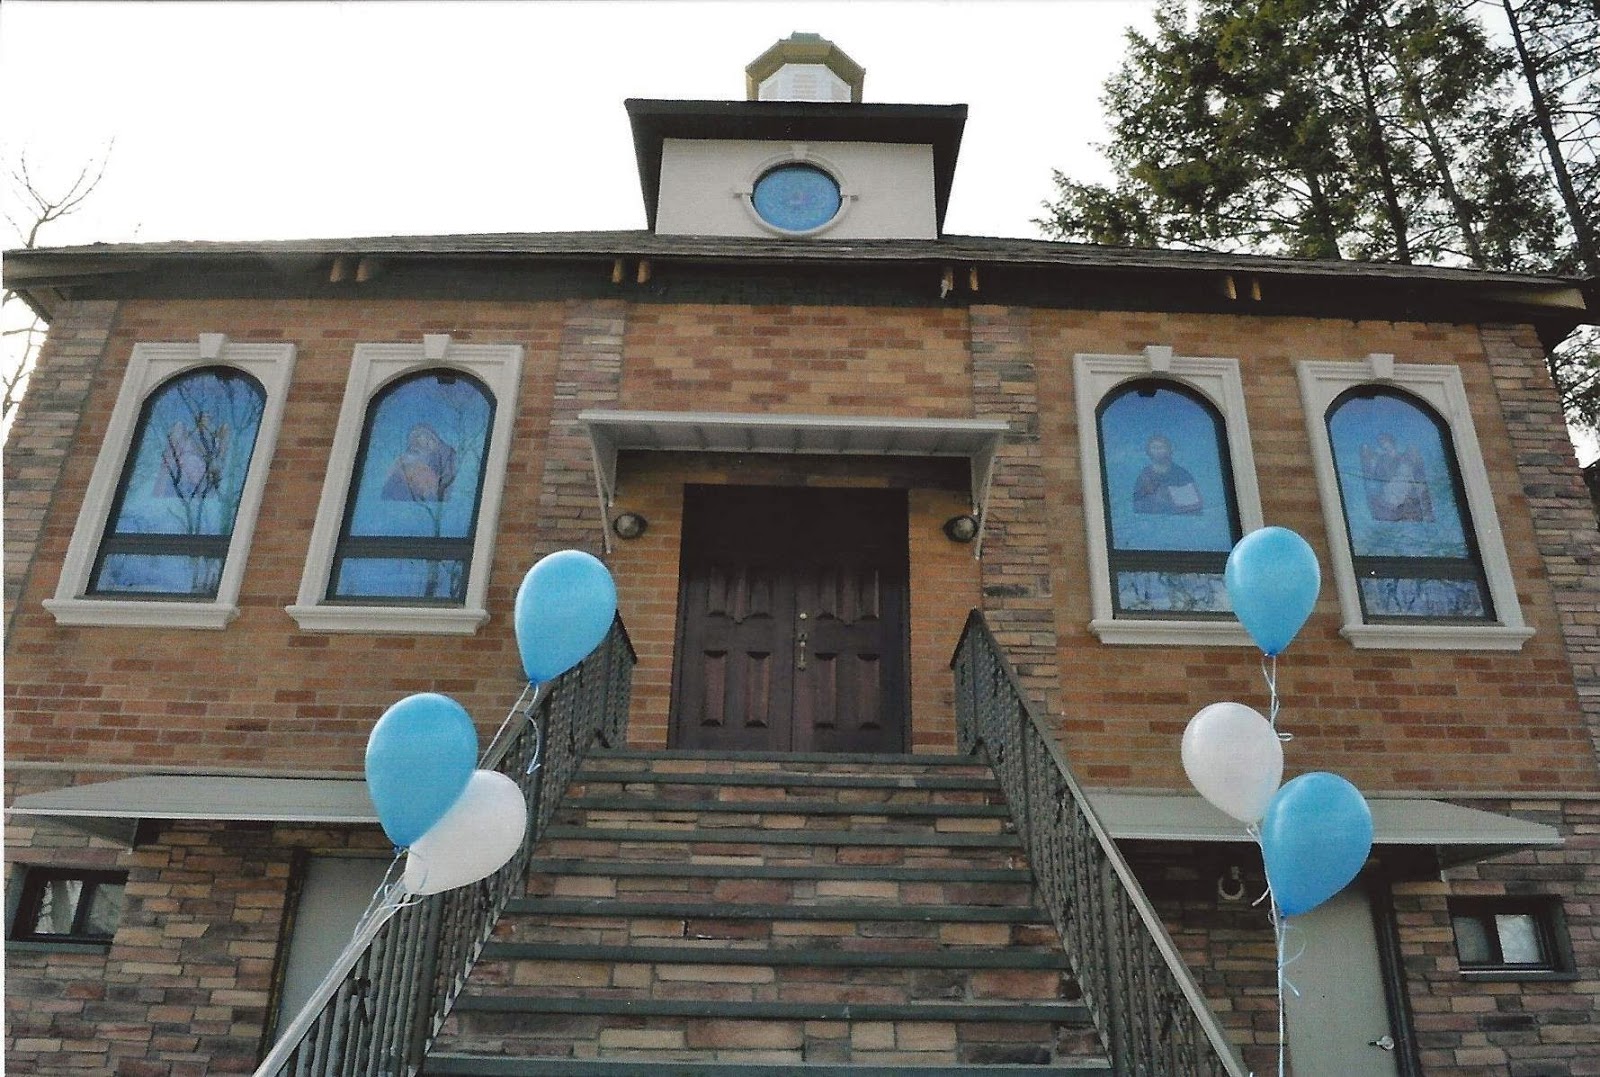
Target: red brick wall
{"points": [[261, 693], [292, 700], [1387, 719], [830, 360]]}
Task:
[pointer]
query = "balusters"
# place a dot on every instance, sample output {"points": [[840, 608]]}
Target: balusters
{"points": [[1145, 1003]]}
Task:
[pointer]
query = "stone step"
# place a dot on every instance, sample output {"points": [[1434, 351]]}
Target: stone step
{"points": [[727, 763], [937, 779], [695, 1029], [754, 972], [549, 908], [752, 845], [729, 914], [854, 934], [654, 815], [484, 1066], [591, 804], [801, 885]]}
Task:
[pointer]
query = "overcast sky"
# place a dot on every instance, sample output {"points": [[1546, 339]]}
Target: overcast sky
{"points": [[278, 120]]}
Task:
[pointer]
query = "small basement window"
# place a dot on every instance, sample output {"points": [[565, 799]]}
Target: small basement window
{"points": [[1511, 938], [69, 905]]}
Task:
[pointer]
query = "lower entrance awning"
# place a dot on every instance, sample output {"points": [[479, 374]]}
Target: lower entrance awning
{"points": [[115, 809], [1458, 835], [612, 432]]}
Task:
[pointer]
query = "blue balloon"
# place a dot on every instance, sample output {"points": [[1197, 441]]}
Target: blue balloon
{"points": [[1272, 580], [565, 607], [420, 757], [1315, 837]]}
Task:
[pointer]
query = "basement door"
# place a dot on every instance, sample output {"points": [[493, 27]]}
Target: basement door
{"points": [[1340, 1022], [792, 620]]}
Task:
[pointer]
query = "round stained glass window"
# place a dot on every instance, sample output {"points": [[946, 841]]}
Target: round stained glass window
{"points": [[796, 198]]}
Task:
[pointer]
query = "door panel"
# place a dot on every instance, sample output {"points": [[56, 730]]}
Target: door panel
{"points": [[792, 620], [733, 658]]}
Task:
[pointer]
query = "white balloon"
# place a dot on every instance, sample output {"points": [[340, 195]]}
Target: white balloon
{"points": [[479, 833], [1234, 758]]}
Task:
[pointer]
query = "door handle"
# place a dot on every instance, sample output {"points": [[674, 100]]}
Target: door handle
{"points": [[800, 651], [1384, 1042]]}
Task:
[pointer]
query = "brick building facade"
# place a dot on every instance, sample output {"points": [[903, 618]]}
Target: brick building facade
{"points": [[893, 327]]}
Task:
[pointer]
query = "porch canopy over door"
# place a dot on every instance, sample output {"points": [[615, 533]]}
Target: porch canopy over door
{"points": [[613, 432]]}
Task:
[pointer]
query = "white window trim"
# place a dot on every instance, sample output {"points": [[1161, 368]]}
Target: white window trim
{"points": [[797, 154], [1441, 387], [1218, 381], [150, 365], [499, 367]]}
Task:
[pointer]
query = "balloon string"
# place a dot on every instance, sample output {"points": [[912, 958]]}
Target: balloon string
{"points": [[1269, 670], [517, 709], [536, 757], [1278, 929], [391, 894]]}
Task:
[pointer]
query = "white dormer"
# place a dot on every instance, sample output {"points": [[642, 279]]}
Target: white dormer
{"points": [[802, 159]]}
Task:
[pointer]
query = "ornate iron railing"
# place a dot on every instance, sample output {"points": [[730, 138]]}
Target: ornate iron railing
{"points": [[1145, 1003], [382, 1004]]}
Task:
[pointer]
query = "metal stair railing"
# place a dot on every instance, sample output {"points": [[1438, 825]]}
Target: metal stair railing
{"points": [[381, 1006], [1149, 1011]]}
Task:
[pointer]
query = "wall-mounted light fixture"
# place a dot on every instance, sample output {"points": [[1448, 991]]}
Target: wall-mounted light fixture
{"points": [[629, 525], [963, 528], [1230, 884]]}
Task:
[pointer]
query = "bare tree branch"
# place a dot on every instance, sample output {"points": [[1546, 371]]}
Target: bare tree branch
{"points": [[43, 208]]}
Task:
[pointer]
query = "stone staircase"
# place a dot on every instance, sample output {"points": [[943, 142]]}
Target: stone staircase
{"points": [[751, 915]]}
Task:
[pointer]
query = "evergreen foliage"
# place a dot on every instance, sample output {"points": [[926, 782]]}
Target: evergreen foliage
{"points": [[1454, 132]]}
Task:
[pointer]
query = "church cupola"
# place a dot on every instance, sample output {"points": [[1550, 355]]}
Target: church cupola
{"points": [[804, 67], [802, 159]]}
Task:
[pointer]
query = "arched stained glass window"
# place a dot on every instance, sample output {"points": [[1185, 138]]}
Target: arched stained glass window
{"points": [[168, 531], [1167, 483], [411, 513], [1411, 537]]}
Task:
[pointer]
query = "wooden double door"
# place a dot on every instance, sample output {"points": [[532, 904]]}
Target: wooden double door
{"points": [[792, 620]]}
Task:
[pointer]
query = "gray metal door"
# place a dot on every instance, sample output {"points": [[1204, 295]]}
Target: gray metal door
{"points": [[1339, 1024], [333, 895]]}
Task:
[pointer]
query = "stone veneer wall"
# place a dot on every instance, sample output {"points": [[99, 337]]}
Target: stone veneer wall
{"points": [[41, 435], [1018, 599], [185, 988], [1564, 522], [587, 375], [1527, 1028]]}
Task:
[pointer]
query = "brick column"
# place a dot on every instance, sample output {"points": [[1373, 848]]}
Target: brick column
{"points": [[588, 375], [46, 423], [1563, 515], [1017, 596]]}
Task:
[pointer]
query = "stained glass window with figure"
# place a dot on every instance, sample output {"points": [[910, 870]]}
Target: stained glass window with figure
{"points": [[411, 514], [1170, 514], [1411, 538]]}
